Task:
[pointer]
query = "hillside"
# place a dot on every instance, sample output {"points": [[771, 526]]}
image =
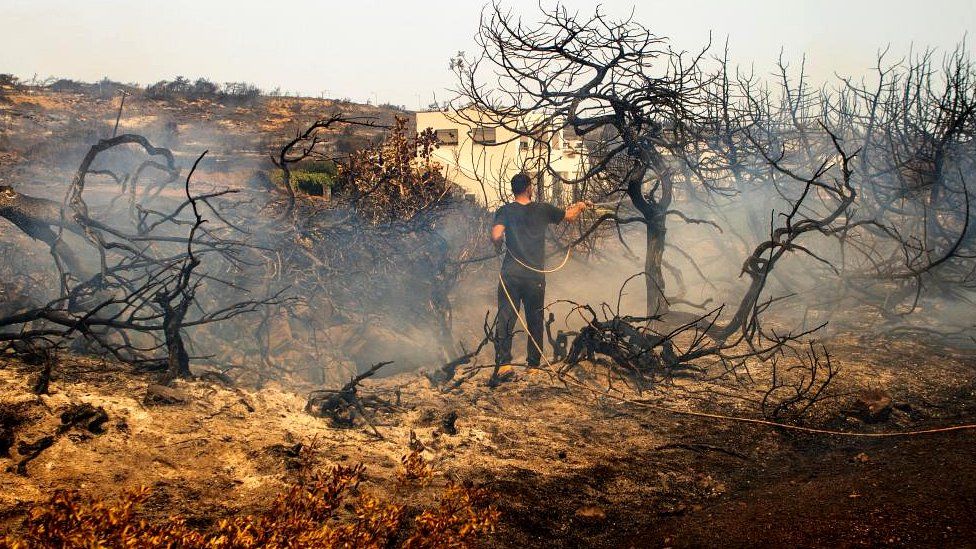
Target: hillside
{"points": [[43, 132]]}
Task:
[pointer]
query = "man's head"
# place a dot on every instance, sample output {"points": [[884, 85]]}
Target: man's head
{"points": [[521, 185]]}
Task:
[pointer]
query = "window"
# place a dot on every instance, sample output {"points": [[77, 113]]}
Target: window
{"points": [[447, 137], [483, 135], [524, 144]]}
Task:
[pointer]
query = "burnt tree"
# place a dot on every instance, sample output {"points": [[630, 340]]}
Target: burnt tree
{"points": [[615, 84], [134, 304]]}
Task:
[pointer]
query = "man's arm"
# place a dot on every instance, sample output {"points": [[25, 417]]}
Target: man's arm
{"points": [[574, 211], [497, 236]]}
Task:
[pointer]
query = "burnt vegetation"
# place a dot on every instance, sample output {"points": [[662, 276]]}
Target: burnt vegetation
{"points": [[864, 185], [323, 509], [347, 254]]}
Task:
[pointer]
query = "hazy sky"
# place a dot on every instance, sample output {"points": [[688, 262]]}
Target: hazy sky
{"points": [[397, 51]]}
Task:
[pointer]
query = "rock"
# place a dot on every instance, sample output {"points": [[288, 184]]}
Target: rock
{"points": [[84, 416], [162, 395], [29, 451], [448, 426], [591, 513], [28, 448], [862, 458], [873, 405], [215, 376]]}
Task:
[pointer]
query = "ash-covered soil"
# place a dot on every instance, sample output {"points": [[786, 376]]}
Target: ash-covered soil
{"points": [[566, 468]]}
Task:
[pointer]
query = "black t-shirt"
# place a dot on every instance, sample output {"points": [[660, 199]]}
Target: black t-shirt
{"points": [[525, 235]]}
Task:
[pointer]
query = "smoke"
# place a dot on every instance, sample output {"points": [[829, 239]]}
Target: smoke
{"points": [[364, 293]]}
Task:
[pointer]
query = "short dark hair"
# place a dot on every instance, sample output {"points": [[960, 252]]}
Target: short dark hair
{"points": [[519, 183]]}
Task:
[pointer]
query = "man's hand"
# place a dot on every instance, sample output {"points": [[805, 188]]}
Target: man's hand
{"points": [[498, 237], [574, 211]]}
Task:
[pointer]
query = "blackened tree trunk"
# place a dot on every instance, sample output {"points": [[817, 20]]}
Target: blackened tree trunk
{"points": [[178, 360]]}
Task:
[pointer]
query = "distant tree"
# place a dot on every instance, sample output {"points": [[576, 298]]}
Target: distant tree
{"points": [[205, 88]]}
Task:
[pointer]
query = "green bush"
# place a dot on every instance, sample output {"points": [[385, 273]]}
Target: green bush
{"points": [[319, 166], [309, 182]]}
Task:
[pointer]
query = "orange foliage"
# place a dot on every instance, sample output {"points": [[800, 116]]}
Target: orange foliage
{"points": [[312, 513]]}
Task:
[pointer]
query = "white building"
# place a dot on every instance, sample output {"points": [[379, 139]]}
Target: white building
{"points": [[482, 159]]}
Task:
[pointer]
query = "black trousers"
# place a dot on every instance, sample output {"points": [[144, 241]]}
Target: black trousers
{"points": [[528, 294]]}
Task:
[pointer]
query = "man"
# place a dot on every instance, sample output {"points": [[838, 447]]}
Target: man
{"points": [[522, 224]]}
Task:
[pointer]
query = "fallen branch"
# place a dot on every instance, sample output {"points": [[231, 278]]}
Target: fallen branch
{"points": [[344, 405]]}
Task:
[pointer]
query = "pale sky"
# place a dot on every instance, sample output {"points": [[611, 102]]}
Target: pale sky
{"points": [[397, 51]]}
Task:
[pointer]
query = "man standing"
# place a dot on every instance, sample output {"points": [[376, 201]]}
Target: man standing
{"points": [[522, 224]]}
